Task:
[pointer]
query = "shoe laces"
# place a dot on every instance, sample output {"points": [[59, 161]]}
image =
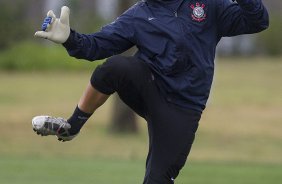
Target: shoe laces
{"points": [[58, 125]]}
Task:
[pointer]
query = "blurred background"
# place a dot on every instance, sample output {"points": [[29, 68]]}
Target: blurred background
{"points": [[239, 140]]}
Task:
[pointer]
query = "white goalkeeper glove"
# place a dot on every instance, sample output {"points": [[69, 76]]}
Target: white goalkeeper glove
{"points": [[56, 29]]}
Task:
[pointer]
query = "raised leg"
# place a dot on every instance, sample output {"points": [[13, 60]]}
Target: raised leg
{"points": [[124, 75]]}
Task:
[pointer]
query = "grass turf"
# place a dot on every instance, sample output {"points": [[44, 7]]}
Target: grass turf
{"points": [[239, 139], [21, 170]]}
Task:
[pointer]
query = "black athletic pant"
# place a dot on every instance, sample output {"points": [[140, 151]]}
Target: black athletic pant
{"points": [[171, 128]]}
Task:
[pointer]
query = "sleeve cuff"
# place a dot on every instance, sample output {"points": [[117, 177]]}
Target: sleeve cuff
{"points": [[70, 43]]}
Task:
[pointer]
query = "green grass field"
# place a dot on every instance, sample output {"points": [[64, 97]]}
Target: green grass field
{"points": [[104, 171], [239, 140]]}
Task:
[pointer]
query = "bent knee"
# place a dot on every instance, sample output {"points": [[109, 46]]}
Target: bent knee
{"points": [[108, 77], [117, 65]]}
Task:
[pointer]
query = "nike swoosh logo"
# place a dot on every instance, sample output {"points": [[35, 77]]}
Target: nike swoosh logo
{"points": [[151, 18]]}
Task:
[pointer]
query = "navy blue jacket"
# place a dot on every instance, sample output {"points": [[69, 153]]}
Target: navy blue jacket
{"points": [[178, 45]]}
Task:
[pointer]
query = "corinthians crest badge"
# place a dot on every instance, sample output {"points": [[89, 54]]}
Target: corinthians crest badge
{"points": [[199, 13]]}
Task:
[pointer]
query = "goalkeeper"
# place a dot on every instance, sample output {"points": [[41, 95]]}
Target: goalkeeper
{"points": [[167, 82]]}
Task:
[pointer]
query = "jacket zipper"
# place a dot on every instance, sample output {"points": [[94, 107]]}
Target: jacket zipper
{"points": [[175, 12]]}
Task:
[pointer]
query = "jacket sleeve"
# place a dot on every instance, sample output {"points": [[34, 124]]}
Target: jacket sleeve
{"points": [[243, 17], [113, 39]]}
